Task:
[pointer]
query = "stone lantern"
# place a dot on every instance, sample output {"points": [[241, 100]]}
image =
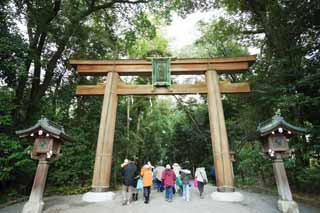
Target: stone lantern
{"points": [[161, 76], [48, 137], [275, 134]]}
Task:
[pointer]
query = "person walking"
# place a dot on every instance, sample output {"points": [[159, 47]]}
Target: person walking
{"points": [[213, 175], [135, 190], [129, 171], [168, 179], [146, 174], [158, 174], [185, 177], [176, 169], [201, 178]]}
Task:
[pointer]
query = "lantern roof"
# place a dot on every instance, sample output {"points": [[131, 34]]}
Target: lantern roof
{"points": [[277, 121], [48, 127]]}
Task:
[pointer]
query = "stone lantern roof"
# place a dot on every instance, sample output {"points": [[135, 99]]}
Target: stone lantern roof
{"points": [[279, 125], [47, 127]]}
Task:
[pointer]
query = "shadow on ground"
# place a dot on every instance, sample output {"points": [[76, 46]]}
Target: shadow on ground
{"points": [[253, 203]]}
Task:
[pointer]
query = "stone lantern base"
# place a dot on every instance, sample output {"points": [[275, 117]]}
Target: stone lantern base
{"points": [[288, 206], [33, 207]]}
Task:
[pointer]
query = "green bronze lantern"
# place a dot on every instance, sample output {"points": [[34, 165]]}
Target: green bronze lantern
{"points": [[48, 137], [275, 134], [161, 76]]}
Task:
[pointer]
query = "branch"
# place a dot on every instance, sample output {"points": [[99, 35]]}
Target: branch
{"points": [[195, 123], [56, 8], [250, 32], [110, 4]]}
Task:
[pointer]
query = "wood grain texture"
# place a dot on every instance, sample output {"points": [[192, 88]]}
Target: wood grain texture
{"points": [[176, 69], [219, 138], [103, 160], [249, 58], [126, 89], [130, 67]]}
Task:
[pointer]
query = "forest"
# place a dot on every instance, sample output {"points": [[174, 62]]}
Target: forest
{"points": [[38, 38]]}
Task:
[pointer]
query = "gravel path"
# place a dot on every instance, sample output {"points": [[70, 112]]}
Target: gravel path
{"points": [[253, 203]]}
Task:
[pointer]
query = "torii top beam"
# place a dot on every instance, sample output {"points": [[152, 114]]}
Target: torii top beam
{"points": [[140, 67]]}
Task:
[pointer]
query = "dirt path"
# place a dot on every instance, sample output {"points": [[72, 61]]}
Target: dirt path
{"points": [[253, 203]]}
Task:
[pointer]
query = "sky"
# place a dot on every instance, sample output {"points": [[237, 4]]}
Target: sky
{"points": [[182, 32]]}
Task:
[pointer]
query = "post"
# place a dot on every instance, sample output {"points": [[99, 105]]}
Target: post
{"points": [[285, 202], [103, 161], [35, 203], [219, 138]]}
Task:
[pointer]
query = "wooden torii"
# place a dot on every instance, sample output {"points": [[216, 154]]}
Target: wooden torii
{"points": [[210, 67]]}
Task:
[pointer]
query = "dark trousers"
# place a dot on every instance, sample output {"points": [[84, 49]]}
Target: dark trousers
{"points": [[146, 193], [200, 187], [159, 185]]}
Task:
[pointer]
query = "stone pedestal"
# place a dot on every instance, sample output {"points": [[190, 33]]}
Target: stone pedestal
{"points": [[285, 202], [288, 206], [94, 197], [35, 203], [227, 196]]}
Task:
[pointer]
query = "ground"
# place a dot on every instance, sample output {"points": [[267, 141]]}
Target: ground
{"points": [[253, 203]]}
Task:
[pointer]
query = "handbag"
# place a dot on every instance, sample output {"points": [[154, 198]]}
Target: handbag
{"points": [[195, 183], [139, 184]]}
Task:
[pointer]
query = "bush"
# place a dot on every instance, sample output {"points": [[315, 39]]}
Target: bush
{"points": [[309, 180]]}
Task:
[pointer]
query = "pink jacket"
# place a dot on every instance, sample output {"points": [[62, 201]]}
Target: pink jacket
{"points": [[168, 177]]}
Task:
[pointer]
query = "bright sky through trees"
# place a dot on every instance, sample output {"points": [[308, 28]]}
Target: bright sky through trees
{"points": [[184, 31]]}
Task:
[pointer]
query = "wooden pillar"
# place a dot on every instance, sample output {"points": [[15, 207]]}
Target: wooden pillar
{"points": [[219, 138], [35, 203], [103, 161]]}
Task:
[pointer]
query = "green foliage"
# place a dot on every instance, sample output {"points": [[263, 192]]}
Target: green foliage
{"points": [[14, 161], [251, 167], [309, 177], [220, 38], [35, 79], [143, 48]]}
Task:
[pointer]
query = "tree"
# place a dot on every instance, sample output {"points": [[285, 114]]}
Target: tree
{"points": [[289, 59]]}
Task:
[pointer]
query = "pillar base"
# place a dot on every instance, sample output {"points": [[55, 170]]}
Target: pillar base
{"points": [[227, 196], [225, 189], [33, 207], [288, 206], [94, 197]]}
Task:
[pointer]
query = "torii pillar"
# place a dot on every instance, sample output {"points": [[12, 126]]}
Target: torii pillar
{"points": [[103, 160], [219, 140]]}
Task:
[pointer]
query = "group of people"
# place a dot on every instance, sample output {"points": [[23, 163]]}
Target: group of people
{"points": [[169, 179]]}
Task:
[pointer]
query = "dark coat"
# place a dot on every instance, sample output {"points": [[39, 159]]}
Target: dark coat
{"points": [[185, 177], [129, 173]]}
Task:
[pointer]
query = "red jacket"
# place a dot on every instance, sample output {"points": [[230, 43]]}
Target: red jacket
{"points": [[168, 177]]}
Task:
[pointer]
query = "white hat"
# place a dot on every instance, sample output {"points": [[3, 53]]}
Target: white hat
{"points": [[126, 161], [147, 166], [168, 166]]}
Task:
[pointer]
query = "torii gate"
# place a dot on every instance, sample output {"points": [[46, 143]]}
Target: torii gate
{"points": [[113, 87]]}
